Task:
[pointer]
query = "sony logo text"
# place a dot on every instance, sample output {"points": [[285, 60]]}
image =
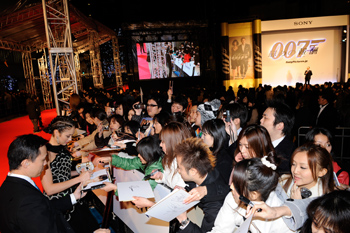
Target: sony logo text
{"points": [[300, 23]]}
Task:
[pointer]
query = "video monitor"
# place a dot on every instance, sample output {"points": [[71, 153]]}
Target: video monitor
{"points": [[159, 60]]}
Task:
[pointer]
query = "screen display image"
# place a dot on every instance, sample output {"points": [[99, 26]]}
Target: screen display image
{"points": [[158, 60]]}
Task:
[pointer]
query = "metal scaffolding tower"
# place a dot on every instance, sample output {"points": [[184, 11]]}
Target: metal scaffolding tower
{"points": [[157, 56], [45, 81], [95, 58], [28, 72], [60, 47], [77, 71], [116, 58]]}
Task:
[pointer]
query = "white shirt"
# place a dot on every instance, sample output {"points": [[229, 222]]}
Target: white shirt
{"points": [[277, 141], [230, 217], [321, 109], [27, 178]]}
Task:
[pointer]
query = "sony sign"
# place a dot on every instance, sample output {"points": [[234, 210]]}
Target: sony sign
{"points": [[301, 23]]}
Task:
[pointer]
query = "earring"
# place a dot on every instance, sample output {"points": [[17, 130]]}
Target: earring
{"points": [[57, 140]]}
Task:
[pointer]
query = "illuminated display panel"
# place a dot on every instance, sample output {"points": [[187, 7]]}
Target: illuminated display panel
{"points": [[158, 60], [287, 54]]}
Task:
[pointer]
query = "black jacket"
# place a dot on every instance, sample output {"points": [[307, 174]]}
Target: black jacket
{"points": [[285, 150], [23, 208], [211, 203]]}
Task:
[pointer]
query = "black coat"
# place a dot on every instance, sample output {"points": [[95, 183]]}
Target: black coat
{"points": [[23, 208], [285, 150], [33, 109], [328, 118], [211, 203]]}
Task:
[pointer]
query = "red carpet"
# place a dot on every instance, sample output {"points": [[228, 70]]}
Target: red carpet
{"points": [[9, 130], [144, 72]]}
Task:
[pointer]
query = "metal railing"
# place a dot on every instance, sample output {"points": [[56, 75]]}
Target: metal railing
{"points": [[341, 141]]}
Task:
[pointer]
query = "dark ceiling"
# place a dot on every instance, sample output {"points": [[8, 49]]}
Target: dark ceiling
{"points": [[113, 13]]}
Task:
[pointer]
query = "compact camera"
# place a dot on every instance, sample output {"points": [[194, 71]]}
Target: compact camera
{"points": [[140, 106], [226, 115], [305, 193]]}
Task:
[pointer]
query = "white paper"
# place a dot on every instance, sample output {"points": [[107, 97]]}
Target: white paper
{"points": [[128, 190], [171, 206], [94, 180], [245, 225]]}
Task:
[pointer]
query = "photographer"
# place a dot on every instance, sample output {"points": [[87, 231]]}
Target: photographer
{"points": [[154, 106]]}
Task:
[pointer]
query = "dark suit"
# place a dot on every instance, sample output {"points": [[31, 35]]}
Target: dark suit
{"points": [[245, 54], [285, 150], [307, 74], [23, 208], [328, 118]]}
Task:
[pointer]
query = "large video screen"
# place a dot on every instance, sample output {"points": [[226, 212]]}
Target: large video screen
{"points": [[286, 55], [159, 60]]}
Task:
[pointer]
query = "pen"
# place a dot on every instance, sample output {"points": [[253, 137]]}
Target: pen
{"points": [[248, 202]]}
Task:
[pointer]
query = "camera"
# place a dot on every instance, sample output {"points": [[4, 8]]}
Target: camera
{"points": [[305, 193], [140, 106], [226, 115]]}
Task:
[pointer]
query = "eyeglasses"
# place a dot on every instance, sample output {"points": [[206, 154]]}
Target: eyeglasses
{"points": [[151, 105]]}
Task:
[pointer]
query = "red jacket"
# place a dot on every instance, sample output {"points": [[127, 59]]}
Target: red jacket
{"points": [[343, 177]]}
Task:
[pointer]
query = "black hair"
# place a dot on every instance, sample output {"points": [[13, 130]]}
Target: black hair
{"points": [[330, 211], [162, 118], [252, 175], [149, 149], [182, 100], [216, 129], [282, 113], [117, 118], [99, 113], [238, 110], [158, 98], [60, 123], [133, 126], [310, 135], [325, 94], [24, 147]]}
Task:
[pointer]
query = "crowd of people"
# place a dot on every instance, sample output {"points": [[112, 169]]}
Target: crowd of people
{"points": [[223, 148]]}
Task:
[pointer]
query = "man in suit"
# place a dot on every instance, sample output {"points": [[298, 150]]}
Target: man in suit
{"points": [[307, 74], [246, 52], [278, 119], [23, 208], [327, 116]]}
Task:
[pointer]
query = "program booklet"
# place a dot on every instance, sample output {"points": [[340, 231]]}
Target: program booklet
{"points": [[171, 206], [97, 179]]}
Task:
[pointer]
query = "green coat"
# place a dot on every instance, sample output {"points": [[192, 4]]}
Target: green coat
{"points": [[135, 163]]}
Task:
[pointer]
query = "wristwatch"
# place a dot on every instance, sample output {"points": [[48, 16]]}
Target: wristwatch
{"points": [[184, 223]]}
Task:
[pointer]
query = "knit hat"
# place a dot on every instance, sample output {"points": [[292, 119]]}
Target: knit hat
{"points": [[209, 110]]}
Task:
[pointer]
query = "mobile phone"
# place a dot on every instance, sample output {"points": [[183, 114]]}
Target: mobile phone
{"points": [[335, 178], [305, 193], [227, 119], [248, 202], [152, 174]]}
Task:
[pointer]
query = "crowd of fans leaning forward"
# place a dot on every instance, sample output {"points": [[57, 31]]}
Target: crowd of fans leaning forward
{"points": [[223, 148]]}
